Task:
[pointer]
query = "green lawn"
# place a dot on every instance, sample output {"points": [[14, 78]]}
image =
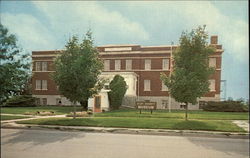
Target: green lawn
{"points": [[7, 117], [135, 122], [177, 114], [22, 110]]}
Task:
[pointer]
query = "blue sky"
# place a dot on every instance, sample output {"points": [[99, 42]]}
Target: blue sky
{"points": [[44, 25]]}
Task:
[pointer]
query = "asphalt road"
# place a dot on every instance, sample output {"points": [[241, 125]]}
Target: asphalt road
{"points": [[23, 143]]}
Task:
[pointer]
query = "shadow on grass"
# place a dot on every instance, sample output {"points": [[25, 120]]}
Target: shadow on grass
{"points": [[194, 125]]}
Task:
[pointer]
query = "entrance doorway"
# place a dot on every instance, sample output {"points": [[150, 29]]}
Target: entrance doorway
{"points": [[97, 104]]}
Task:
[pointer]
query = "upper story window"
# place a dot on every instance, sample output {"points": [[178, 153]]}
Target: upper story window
{"points": [[44, 66], [147, 86], [147, 64], [41, 66], [128, 64], [165, 64], [212, 85], [106, 65], [38, 66], [41, 84], [163, 87], [117, 64], [212, 62]]}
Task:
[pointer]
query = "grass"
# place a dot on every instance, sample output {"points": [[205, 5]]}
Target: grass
{"points": [[135, 122], [177, 114], [22, 110], [8, 117]]}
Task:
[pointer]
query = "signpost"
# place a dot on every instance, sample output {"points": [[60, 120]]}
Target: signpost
{"points": [[146, 106]]}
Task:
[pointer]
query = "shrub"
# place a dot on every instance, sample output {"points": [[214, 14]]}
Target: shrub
{"points": [[79, 114], [118, 89], [20, 101], [225, 106]]}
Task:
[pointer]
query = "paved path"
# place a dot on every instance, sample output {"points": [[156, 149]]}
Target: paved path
{"points": [[19, 143], [31, 118], [242, 123]]}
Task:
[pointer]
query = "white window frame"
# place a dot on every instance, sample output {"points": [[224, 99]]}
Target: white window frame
{"points": [[44, 85], [212, 85], [38, 66], [128, 64], [163, 87], [212, 62], [106, 65], [147, 85], [165, 64], [147, 65], [44, 66], [117, 64], [38, 84]]}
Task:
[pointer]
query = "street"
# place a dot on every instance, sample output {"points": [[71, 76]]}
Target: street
{"points": [[22, 143]]}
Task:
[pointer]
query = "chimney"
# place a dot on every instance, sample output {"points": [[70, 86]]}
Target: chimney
{"points": [[214, 40]]}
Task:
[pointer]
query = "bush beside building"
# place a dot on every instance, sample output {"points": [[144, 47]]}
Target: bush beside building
{"points": [[226, 106], [21, 101]]}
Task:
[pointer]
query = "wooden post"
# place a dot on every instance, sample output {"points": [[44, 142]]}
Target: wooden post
{"points": [[186, 115]]}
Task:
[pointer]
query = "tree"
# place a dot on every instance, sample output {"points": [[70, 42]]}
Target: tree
{"points": [[14, 66], [77, 70], [191, 71], [118, 89]]}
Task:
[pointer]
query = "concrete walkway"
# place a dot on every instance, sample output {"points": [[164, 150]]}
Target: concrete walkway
{"points": [[242, 123], [31, 117]]}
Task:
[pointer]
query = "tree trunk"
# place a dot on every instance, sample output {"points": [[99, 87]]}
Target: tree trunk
{"points": [[84, 105], [74, 116], [186, 114]]}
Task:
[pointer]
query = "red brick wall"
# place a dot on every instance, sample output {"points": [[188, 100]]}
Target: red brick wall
{"points": [[138, 62]]}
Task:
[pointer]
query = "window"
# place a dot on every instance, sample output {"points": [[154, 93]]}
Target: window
{"points": [[212, 62], [163, 86], [146, 85], [44, 101], [44, 84], [38, 66], [38, 101], [165, 64], [41, 66], [164, 104], [128, 64], [212, 85], [44, 66], [106, 65], [147, 64], [38, 84], [117, 64], [41, 84]]}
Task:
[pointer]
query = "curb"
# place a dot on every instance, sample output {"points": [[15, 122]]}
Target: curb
{"points": [[160, 132]]}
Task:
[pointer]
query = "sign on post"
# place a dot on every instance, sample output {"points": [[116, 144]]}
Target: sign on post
{"points": [[141, 105]]}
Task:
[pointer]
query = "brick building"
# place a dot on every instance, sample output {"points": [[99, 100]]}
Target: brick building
{"points": [[141, 67]]}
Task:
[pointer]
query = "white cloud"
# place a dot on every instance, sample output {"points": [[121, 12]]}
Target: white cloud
{"points": [[165, 18], [233, 33], [31, 34], [76, 17]]}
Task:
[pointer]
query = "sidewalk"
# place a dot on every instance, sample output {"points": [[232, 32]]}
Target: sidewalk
{"points": [[31, 117]]}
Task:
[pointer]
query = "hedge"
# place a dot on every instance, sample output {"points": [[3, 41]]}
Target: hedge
{"points": [[21, 101], [225, 106]]}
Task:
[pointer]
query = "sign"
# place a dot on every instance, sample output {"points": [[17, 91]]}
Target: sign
{"points": [[146, 106]]}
